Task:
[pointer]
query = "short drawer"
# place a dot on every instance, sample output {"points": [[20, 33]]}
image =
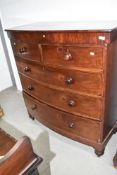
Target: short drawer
{"points": [[86, 106], [30, 69], [72, 126], [73, 56], [26, 50], [75, 80]]}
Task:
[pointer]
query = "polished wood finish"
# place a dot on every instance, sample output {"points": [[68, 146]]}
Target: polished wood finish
{"points": [[70, 86], [73, 56], [77, 104], [26, 51], [72, 80], [6, 142], [20, 158], [62, 122], [62, 37]]}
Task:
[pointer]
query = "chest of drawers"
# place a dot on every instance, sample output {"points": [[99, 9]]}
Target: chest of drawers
{"points": [[69, 81]]}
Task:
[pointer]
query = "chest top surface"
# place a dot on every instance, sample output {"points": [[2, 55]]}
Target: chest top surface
{"points": [[80, 25]]}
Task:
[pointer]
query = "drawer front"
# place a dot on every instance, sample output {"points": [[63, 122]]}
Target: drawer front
{"points": [[77, 81], [62, 37], [86, 106], [30, 69], [26, 50], [70, 125], [73, 56]]}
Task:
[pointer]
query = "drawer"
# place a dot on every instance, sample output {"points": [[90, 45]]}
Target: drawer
{"points": [[75, 80], [26, 50], [72, 126], [62, 37], [30, 69], [73, 56], [86, 106]]}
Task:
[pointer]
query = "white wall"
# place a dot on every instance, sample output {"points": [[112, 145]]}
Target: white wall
{"points": [[5, 79], [13, 63], [19, 12], [15, 12]]}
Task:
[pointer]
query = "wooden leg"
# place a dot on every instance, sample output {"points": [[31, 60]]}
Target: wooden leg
{"points": [[99, 152], [100, 147], [30, 116], [115, 160]]}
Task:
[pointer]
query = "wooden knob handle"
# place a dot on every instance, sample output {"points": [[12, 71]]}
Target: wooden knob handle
{"points": [[30, 87], [14, 44], [65, 52], [71, 103], [22, 50], [68, 56], [71, 125], [26, 69], [34, 107], [69, 80]]}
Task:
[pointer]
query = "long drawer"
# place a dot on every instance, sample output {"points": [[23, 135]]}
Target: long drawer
{"points": [[70, 125], [73, 56], [79, 81], [87, 106], [63, 37]]}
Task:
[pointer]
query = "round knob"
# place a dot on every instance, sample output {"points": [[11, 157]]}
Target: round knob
{"points": [[71, 103], [68, 56], [69, 80], [14, 43], [44, 36], [30, 87], [26, 69], [23, 50], [34, 107], [71, 125]]}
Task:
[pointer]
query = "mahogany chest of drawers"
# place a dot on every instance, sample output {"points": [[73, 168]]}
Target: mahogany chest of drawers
{"points": [[69, 81]]}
